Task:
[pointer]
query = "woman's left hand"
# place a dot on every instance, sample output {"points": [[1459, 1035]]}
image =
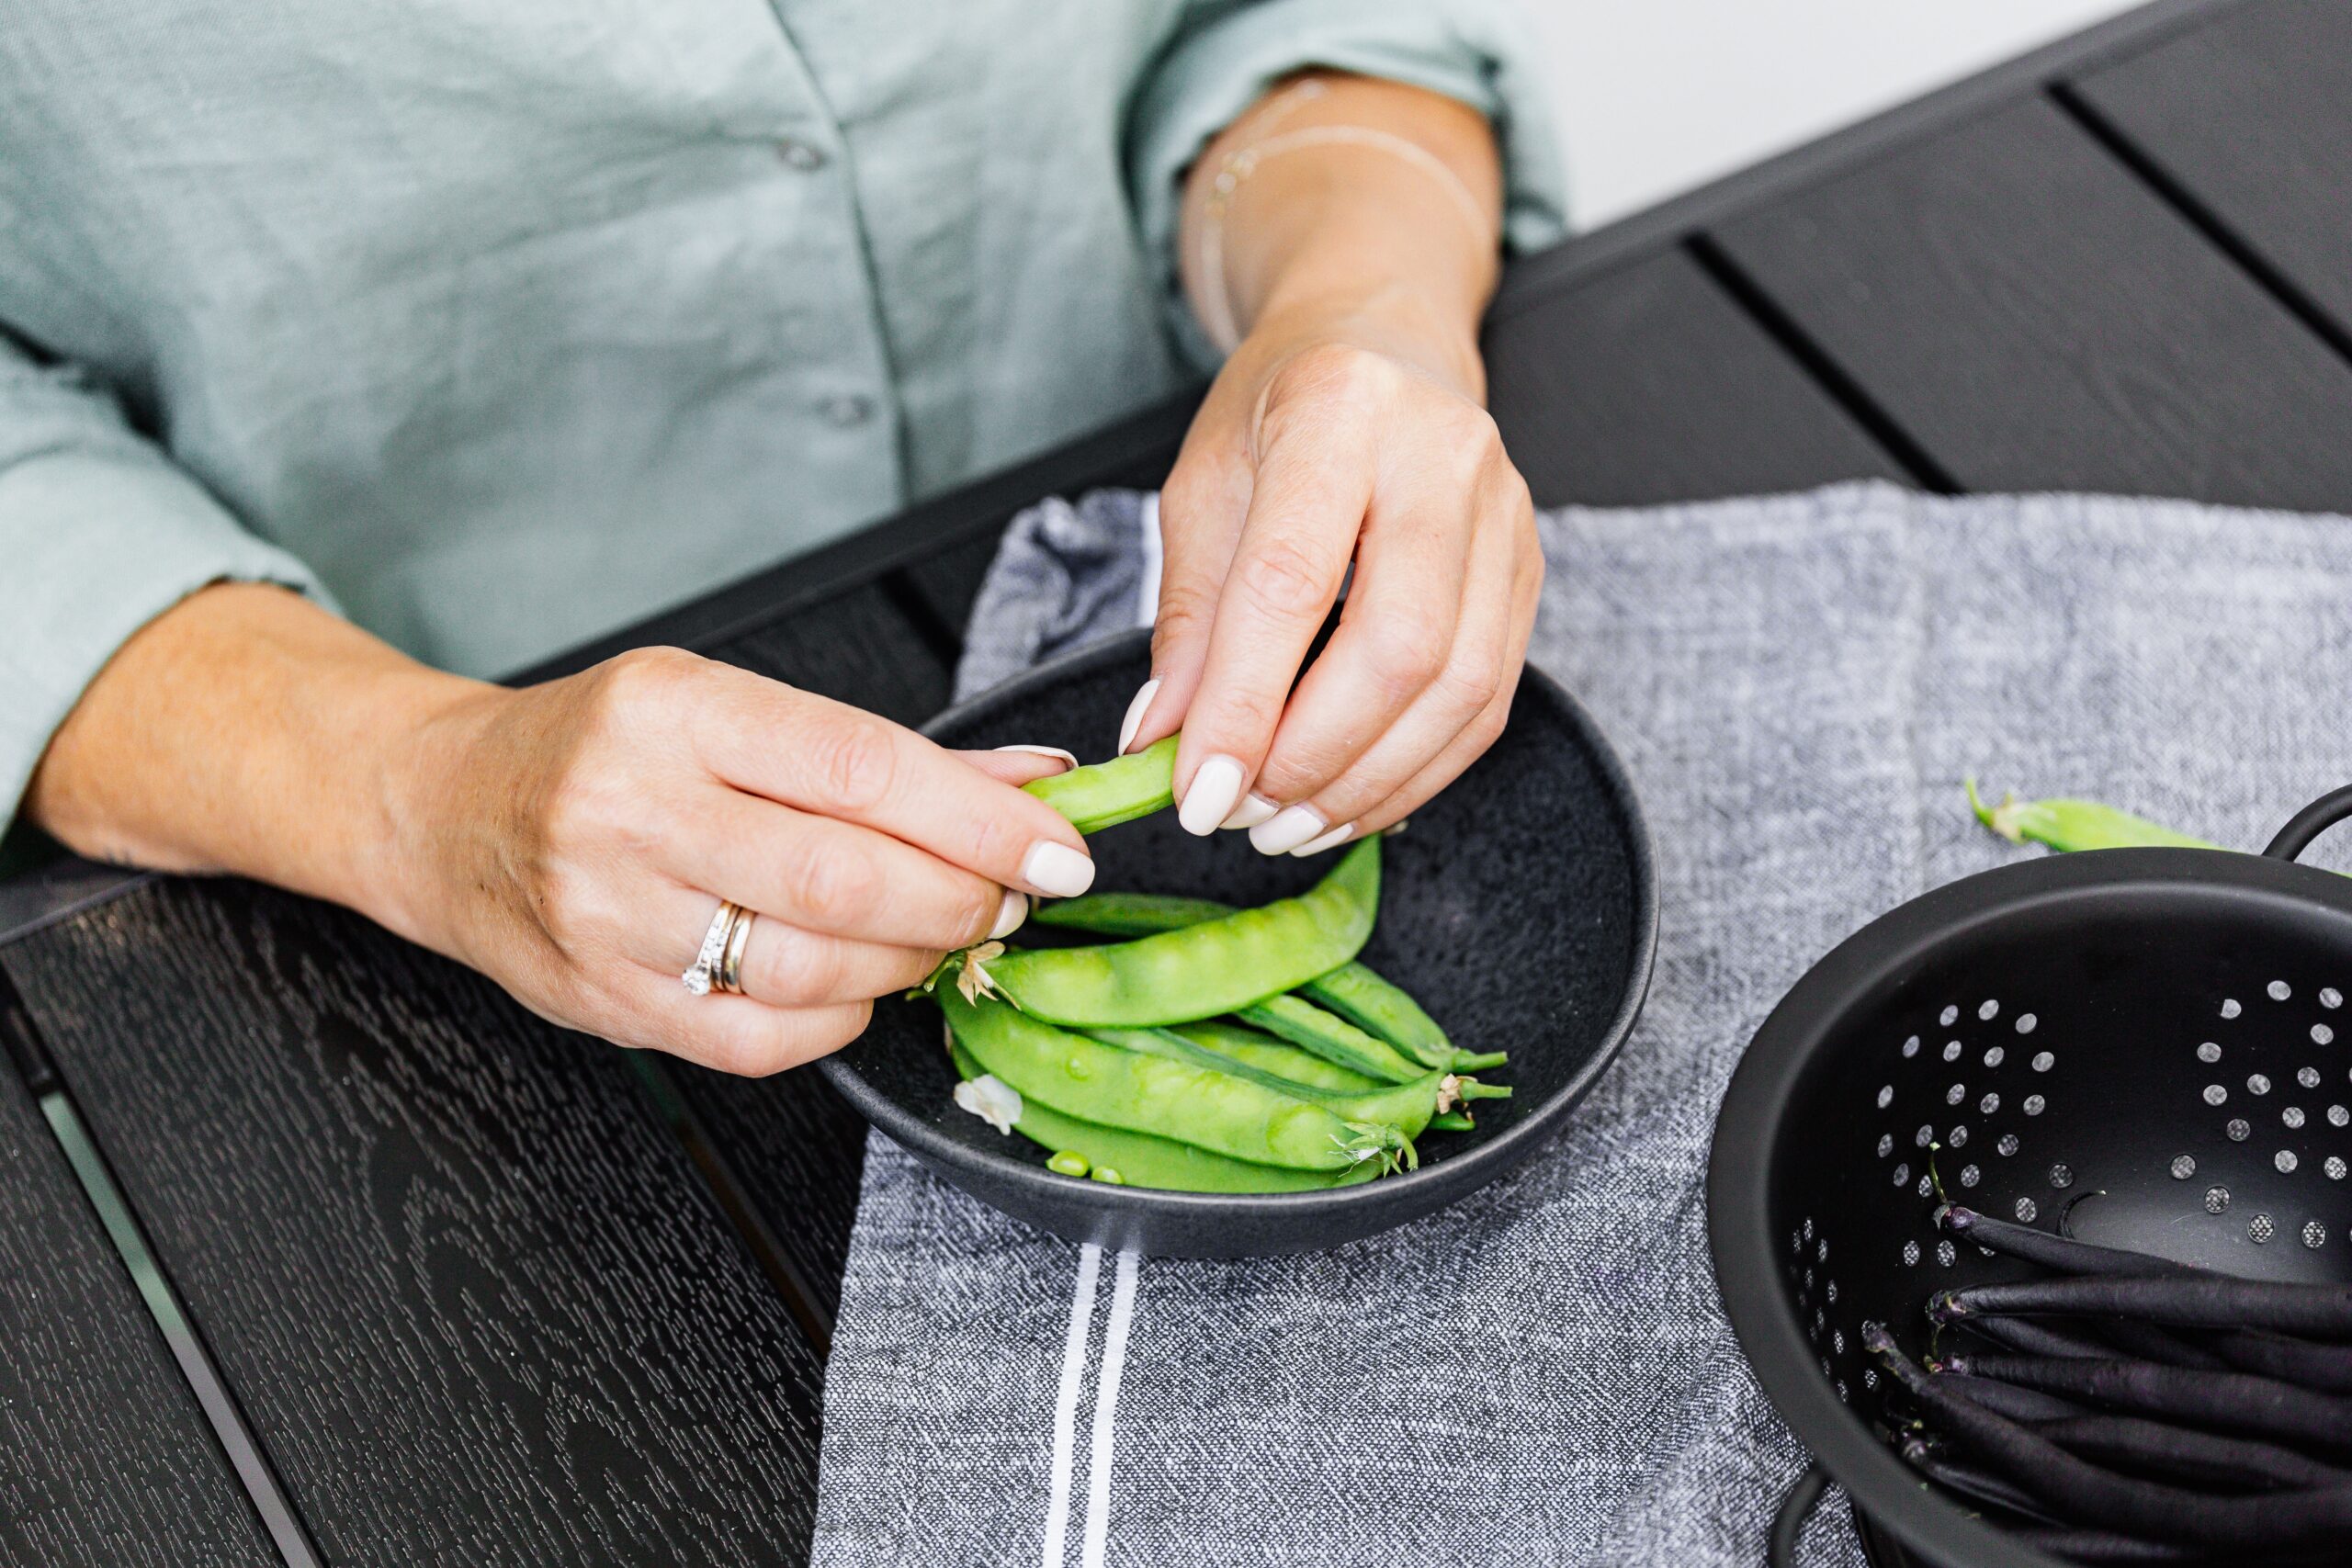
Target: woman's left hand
{"points": [[1333, 436]]}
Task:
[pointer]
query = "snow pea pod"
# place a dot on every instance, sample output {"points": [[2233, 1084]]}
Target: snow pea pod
{"points": [[1143, 1160], [1104, 794], [1353, 990], [1331, 1037], [1268, 1054], [1218, 966], [1113, 1087], [2075, 825], [1407, 1107]]}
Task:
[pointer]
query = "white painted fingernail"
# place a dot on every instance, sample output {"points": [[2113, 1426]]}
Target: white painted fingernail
{"points": [[1010, 913], [1253, 809], [1066, 758], [1217, 790], [1339, 835], [1286, 830], [1057, 870], [1133, 720]]}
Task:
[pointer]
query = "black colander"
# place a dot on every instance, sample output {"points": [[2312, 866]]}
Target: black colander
{"points": [[2150, 1046]]}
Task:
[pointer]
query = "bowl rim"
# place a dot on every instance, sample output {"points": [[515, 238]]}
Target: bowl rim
{"points": [[1458, 1173], [1739, 1225]]}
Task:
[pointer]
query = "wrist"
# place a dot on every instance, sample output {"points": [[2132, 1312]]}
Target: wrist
{"points": [[1387, 317], [415, 806]]}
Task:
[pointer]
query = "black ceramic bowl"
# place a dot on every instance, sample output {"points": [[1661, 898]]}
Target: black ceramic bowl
{"points": [[1519, 908]]}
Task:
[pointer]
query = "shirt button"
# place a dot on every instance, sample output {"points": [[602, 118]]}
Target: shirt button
{"points": [[802, 155], [845, 412]]}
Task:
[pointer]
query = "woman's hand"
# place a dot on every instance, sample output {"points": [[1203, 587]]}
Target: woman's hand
{"points": [[1347, 230], [573, 841], [1327, 440]]}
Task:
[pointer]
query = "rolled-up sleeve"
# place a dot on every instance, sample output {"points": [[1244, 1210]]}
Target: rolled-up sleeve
{"points": [[99, 533], [1225, 54]]}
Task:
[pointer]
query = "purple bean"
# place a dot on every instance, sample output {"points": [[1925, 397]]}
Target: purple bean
{"points": [[2061, 1253], [2029, 1338], [2229, 1401], [2325, 1367], [2017, 1404], [2102, 1546], [2136, 1443], [2121, 1503], [2194, 1300], [1977, 1485], [2151, 1343]]}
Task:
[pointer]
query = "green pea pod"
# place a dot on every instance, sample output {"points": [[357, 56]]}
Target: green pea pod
{"points": [[1218, 967], [1407, 1107], [1377, 1006], [1104, 794], [1112, 1088], [1268, 1054], [1331, 1037], [1143, 1160], [2077, 825]]}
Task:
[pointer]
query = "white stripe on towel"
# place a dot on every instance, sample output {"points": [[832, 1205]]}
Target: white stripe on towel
{"points": [[1081, 1323], [1106, 1414]]}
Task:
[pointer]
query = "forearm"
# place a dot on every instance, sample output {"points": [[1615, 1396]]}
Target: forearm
{"points": [[1294, 213], [247, 730]]}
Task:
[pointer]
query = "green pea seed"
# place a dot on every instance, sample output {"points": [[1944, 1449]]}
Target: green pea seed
{"points": [[1068, 1164], [1103, 1173]]}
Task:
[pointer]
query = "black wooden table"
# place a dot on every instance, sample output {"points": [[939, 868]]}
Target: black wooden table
{"points": [[314, 1246]]}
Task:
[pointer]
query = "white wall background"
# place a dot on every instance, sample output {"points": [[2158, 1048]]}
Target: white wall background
{"points": [[1655, 96]]}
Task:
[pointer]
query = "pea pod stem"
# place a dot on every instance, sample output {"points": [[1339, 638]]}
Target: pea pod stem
{"points": [[1104, 794], [2073, 824]]}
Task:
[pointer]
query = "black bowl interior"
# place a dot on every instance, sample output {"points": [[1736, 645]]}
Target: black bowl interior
{"points": [[1518, 908], [2152, 1047]]}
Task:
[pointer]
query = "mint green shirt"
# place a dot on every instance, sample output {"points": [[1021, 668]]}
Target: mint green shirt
{"points": [[497, 323]]}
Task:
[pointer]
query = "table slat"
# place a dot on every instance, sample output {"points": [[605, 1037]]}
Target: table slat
{"points": [[1647, 384], [474, 1301], [105, 1458], [2251, 116], [2033, 316]]}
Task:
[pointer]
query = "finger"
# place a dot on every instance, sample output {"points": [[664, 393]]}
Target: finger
{"points": [[1429, 610], [836, 761], [1201, 511], [783, 964], [829, 875], [1469, 675], [1467, 746], [1314, 481], [732, 1035], [1018, 765]]}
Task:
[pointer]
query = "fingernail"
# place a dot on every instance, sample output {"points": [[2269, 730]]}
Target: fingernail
{"points": [[1057, 870], [1286, 830], [1010, 913], [1056, 752], [1337, 836], [1217, 790], [1128, 725], [1253, 809]]}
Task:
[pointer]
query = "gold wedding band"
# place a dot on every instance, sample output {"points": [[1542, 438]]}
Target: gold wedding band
{"points": [[730, 962]]}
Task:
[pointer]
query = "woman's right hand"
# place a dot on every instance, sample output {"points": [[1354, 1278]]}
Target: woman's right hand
{"points": [[573, 842]]}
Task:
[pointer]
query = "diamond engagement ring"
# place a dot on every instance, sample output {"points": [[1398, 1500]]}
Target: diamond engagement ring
{"points": [[700, 978]]}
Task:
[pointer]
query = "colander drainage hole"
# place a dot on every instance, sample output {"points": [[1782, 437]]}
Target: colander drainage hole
{"points": [[2230, 1007], [1910, 1047], [2338, 1116], [2026, 1022], [2285, 1160], [1947, 1016], [1910, 1253], [1969, 1176], [2279, 990], [2217, 1199], [2321, 1034], [2043, 1061], [2335, 1167], [2028, 1210], [2209, 1051], [2314, 1233], [1946, 1253], [1951, 1050], [2008, 1143], [2062, 1176], [2308, 1078], [1995, 1056], [2183, 1167], [2215, 1094], [1988, 1011], [2259, 1229], [2258, 1083], [2329, 997], [1902, 1174], [2238, 1129], [1886, 1145], [2292, 1116], [2034, 1105], [1959, 1138]]}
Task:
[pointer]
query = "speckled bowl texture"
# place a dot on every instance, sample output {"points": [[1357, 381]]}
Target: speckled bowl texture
{"points": [[1519, 908]]}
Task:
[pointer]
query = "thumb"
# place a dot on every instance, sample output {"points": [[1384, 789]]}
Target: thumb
{"points": [[1018, 765]]}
